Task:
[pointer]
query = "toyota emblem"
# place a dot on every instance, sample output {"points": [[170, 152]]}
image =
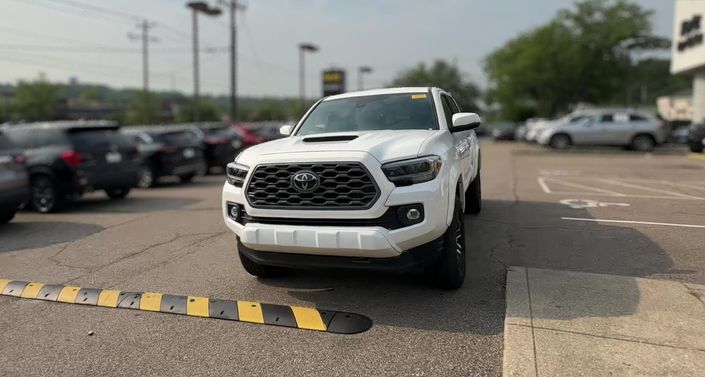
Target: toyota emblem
{"points": [[305, 181]]}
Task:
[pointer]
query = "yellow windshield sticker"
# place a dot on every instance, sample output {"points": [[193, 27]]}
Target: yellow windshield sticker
{"points": [[418, 96]]}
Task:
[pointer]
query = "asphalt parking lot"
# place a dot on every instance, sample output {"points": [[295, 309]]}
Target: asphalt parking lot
{"points": [[600, 211]]}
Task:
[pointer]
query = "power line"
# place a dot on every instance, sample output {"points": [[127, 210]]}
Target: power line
{"points": [[97, 9], [103, 49]]}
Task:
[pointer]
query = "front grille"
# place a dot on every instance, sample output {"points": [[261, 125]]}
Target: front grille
{"points": [[342, 186], [388, 220]]}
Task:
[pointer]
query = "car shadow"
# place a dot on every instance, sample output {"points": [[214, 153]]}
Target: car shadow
{"points": [[16, 236], [663, 150], [131, 204], [505, 234]]}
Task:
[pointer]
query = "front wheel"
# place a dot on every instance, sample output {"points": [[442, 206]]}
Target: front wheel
{"points": [[5, 217], [560, 142], [187, 177], [696, 148], [146, 178], [643, 143], [118, 193], [449, 271]]}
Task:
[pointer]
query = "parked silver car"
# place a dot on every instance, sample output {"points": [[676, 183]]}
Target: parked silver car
{"points": [[637, 130], [14, 181]]}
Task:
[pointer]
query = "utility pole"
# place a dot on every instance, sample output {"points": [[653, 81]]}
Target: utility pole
{"points": [[361, 71], [303, 48], [198, 6], [234, 6], [145, 38]]}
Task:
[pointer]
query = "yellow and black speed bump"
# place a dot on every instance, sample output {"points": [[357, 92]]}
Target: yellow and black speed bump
{"points": [[233, 310]]}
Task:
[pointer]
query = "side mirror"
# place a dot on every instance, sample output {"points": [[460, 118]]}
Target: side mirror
{"points": [[465, 122], [286, 130]]}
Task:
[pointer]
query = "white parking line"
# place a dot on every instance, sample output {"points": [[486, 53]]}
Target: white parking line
{"points": [[632, 222], [542, 183], [618, 183], [581, 186]]}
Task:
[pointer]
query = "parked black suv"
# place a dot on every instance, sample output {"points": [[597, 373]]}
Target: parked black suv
{"points": [[696, 137], [167, 151], [14, 181], [69, 158], [220, 145]]}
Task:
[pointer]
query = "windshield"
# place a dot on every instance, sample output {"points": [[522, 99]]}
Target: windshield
{"points": [[408, 111]]}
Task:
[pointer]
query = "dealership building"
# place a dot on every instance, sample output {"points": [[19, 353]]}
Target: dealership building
{"points": [[688, 50]]}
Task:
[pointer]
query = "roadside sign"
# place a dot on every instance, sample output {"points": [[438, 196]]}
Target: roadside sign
{"points": [[333, 82]]}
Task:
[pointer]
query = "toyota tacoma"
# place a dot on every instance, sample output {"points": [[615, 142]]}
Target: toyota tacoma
{"points": [[376, 179]]}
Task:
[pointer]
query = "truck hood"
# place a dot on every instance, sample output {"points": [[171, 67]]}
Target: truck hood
{"points": [[383, 145]]}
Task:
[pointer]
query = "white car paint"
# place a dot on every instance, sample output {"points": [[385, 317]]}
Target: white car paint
{"points": [[458, 151]]}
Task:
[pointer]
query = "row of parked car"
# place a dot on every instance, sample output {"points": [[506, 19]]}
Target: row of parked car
{"points": [[637, 130], [47, 165]]}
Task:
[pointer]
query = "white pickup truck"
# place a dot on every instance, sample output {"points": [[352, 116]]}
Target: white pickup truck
{"points": [[376, 179]]}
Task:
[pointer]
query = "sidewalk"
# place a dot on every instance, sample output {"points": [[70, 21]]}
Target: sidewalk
{"points": [[561, 323]]}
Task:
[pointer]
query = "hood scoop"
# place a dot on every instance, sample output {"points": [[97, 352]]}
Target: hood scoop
{"points": [[321, 139]]}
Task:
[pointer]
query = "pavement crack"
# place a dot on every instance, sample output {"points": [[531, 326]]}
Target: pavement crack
{"points": [[143, 250]]}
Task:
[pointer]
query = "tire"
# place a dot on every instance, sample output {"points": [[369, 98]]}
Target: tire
{"points": [[449, 271], [118, 193], [187, 177], [560, 142], [146, 178], [45, 195], [255, 269], [642, 143], [473, 196], [5, 217], [695, 148]]}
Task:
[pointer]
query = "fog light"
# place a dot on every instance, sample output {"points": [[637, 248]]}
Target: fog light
{"points": [[234, 211], [413, 214], [410, 214]]}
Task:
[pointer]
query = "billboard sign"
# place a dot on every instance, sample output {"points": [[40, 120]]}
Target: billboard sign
{"points": [[688, 49], [333, 82]]}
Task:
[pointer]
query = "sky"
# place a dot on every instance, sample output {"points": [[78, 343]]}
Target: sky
{"points": [[61, 41]]}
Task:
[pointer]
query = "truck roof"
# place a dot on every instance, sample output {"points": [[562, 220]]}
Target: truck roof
{"points": [[374, 92]]}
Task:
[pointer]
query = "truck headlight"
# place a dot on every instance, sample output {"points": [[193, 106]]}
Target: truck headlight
{"points": [[236, 173], [409, 172]]}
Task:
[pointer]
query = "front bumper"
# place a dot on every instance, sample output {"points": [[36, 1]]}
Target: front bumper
{"points": [[347, 241], [419, 256]]}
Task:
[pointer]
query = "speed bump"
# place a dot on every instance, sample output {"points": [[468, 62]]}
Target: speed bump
{"points": [[233, 310]]}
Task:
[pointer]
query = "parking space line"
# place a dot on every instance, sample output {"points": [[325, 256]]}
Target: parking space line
{"points": [[638, 187], [194, 306], [581, 186], [544, 186], [632, 222]]}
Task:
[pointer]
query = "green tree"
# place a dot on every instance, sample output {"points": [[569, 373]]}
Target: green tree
{"points": [[142, 109], [36, 100], [585, 54], [208, 112], [443, 75]]}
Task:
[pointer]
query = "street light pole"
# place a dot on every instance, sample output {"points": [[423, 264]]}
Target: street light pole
{"points": [[360, 72], [303, 48], [145, 39], [234, 6], [198, 6], [196, 100]]}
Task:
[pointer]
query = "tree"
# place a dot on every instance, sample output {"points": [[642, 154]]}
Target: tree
{"points": [[142, 109], [36, 100], [585, 54], [442, 75], [208, 112]]}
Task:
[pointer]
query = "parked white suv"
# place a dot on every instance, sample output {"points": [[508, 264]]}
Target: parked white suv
{"points": [[376, 179]]}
